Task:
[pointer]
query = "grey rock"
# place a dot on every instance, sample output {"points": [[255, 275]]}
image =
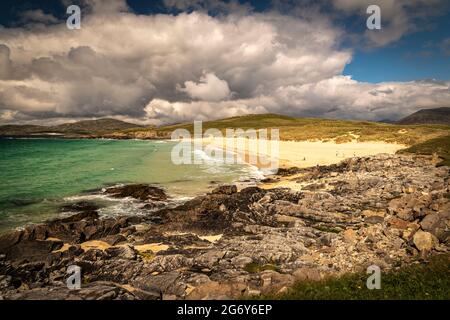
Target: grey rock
{"points": [[225, 190], [126, 252]]}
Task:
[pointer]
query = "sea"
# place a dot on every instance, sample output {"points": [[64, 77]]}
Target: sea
{"points": [[40, 176]]}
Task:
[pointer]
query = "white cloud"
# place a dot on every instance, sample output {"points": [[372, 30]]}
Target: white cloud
{"points": [[7, 115], [343, 97], [210, 88], [336, 97], [85, 72], [152, 68], [162, 111]]}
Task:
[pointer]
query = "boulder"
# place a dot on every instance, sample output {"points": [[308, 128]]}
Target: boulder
{"points": [[410, 206], [398, 223], [437, 224], [225, 190], [273, 281], [10, 239], [125, 252], [209, 259], [349, 235], [141, 192], [31, 250], [165, 284], [241, 261], [89, 215], [114, 239], [307, 273], [214, 290], [425, 241]]}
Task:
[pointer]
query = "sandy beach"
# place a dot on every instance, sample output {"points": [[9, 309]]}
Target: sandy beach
{"points": [[303, 154], [308, 153]]}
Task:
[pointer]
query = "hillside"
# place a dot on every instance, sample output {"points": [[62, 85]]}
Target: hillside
{"points": [[94, 126], [87, 127], [19, 130], [439, 146], [291, 128], [428, 116], [321, 129]]}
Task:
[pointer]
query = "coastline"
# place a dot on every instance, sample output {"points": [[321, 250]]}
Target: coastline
{"points": [[238, 244], [298, 154]]}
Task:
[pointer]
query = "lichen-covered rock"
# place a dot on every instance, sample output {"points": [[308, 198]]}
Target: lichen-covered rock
{"points": [[425, 241]]}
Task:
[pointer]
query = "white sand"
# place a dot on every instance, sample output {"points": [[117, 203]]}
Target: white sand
{"points": [[309, 153]]}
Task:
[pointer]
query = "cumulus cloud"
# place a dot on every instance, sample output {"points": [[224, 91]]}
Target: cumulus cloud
{"points": [[163, 111], [171, 68], [337, 97], [343, 97], [85, 73], [210, 88]]}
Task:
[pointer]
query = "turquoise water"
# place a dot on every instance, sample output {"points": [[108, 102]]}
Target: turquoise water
{"points": [[39, 175]]}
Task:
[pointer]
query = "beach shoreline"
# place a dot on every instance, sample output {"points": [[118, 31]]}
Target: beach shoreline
{"points": [[237, 243], [304, 154]]}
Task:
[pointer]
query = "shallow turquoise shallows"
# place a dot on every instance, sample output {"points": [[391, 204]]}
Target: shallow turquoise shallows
{"points": [[37, 176]]}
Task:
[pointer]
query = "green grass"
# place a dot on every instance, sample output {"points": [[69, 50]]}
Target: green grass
{"points": [[422, 281], [439, 146], [324, 129]]}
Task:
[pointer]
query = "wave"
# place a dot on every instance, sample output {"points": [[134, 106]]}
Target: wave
{"points": [[206, 158]]}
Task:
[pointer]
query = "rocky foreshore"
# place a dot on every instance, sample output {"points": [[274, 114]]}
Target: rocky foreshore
{"points": [[387, 210]]}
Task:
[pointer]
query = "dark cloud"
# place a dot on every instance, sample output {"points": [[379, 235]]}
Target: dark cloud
{"points": [[170, 68]]}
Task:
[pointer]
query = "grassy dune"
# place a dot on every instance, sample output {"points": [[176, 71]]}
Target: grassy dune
{"points": [[421, 139], [322, 129], [439, 146]]}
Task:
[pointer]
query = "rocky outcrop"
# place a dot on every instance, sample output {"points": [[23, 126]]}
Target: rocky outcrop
{"points": [[141, 192], [385, 210]]}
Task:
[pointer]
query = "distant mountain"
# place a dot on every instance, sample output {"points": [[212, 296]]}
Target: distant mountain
{"points": [[80, 128], [16, 130], [94, 126], [428, 116]]}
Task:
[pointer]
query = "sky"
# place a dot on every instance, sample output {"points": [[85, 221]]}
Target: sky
{"points": [[167, 61]]}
